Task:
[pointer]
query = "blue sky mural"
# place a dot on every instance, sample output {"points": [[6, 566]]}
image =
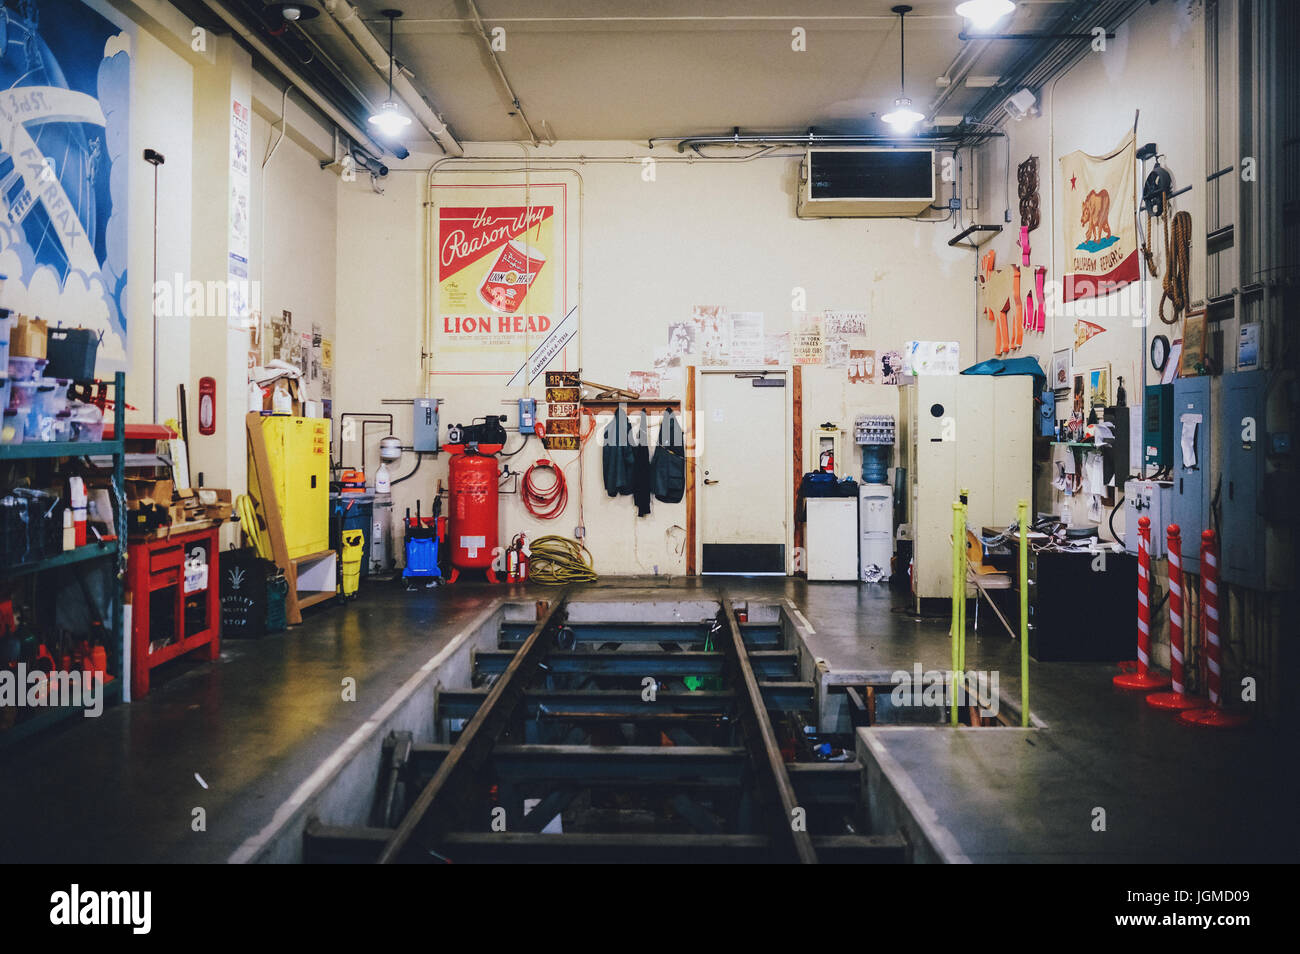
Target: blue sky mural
{"points": [[65, 82]]}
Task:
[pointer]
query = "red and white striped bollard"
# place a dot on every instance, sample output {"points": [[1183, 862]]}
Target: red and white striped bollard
{"points": [[1143, 679], [1177, 699], [1215, 716]]}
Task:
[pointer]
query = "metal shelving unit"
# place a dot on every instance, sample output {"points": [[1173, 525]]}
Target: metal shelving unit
{"points": [[115, 451]]}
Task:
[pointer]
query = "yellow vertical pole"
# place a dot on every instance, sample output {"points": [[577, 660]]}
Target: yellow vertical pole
{"points": [[961, 592], [1024, 613], [958, 584]]}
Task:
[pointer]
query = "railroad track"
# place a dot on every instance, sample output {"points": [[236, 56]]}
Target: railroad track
{"points": [[654, 743]]}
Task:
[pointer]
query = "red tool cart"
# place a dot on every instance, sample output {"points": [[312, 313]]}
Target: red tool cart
{"points": [[174, 584]]}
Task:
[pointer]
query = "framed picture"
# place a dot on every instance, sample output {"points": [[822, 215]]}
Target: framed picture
{"points": [[1192, 360], [1099, 387], [1061, 370], [1078, 403]]}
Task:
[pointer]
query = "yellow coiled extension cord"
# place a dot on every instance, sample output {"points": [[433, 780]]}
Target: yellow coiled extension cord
{"points": [[555, 560]]}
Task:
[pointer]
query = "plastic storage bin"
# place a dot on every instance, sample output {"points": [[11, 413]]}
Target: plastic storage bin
{"points": [[23, 394], [11, 431], [44, 523], [26, 369], [87, 423]]}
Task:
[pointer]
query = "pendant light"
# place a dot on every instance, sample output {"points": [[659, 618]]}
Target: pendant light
{"points": [[389, 121], [984, 14], [902, 117]]}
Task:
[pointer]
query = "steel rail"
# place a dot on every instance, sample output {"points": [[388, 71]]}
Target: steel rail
{"points": [[760, 740], [429, 816]]}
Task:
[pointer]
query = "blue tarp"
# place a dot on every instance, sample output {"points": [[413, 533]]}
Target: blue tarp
{"points": [[1011, 366]]}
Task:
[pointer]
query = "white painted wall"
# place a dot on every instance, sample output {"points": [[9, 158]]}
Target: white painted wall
{"points": [[161, 109], [181, 107], [1155, 67], [701, 233]]}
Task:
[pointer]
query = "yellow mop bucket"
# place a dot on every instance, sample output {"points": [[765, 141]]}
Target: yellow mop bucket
{"points": [[354, 544]]}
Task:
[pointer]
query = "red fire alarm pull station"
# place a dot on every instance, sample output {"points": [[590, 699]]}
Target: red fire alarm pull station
{"points": [[207, 406]]}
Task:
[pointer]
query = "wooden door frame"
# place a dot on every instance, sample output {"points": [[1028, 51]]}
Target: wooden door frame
{"points": [[695, 541]]}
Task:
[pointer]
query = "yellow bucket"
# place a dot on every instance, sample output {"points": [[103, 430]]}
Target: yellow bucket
{"points": [[353, 547]]}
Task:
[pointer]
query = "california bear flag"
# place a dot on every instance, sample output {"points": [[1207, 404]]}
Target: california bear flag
{"points": [[1097, 221]]}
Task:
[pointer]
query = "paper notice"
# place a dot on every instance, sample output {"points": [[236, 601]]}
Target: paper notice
{"points": [[746, 342], [806, 340]]}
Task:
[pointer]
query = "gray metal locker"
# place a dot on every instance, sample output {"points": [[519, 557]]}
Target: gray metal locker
{"points": [[1191, 470], [1241, 550]]}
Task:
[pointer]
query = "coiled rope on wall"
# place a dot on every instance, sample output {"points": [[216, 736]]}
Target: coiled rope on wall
{"points": [[1176, 284]]}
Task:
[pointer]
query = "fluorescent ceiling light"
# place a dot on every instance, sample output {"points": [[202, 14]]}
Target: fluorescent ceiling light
{"points": [[984, 13], [388, 121]]}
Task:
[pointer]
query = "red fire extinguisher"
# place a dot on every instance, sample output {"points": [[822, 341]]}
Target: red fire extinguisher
{"points": [[517, 560]]}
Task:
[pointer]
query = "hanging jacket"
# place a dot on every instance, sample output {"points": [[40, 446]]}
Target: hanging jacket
{"points": [[616, 454], [668, 469], [641, 477]]}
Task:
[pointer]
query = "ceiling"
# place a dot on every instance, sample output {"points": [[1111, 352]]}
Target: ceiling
{"points": [[621, 70]]}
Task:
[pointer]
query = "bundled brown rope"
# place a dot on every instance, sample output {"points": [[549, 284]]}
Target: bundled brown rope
{"points": [[1178, 245]]}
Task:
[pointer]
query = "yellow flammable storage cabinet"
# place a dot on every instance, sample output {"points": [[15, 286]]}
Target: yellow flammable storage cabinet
{"points": [[298, 451]]}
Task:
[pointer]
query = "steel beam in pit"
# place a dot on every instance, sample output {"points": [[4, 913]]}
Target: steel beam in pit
{"points": [[815, 783], [757, 635], [777, 664], [328, 843], [760, 739], [785, 696], [431, 814]]}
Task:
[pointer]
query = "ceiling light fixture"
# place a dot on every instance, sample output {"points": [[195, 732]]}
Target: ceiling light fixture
{"points": [[902, 117], [293, 12], [984, 14], [390, 121]]}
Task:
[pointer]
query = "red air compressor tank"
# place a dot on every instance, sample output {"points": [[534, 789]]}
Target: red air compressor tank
{"points": [[472, 518]]}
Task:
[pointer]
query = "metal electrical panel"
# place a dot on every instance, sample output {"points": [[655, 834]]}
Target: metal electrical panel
{"points": [[1241, 549], [1191, 466], [527, 415], [1157, 426], [424, 425], [1151, 499]]}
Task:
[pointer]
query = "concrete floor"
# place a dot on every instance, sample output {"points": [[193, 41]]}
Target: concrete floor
{"points": [[254, 724]]}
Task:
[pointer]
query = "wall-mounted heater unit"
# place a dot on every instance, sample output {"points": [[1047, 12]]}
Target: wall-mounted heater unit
{"points": [[862, 183]]}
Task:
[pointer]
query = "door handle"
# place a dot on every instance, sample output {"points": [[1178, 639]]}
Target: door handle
{"points": [[707, 481]]}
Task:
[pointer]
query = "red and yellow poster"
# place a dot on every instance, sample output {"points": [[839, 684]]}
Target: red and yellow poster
{"points": [[501, 281], [1097, 222]]}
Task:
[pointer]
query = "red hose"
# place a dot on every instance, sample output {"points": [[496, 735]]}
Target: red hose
{"points": [[545, 503]]}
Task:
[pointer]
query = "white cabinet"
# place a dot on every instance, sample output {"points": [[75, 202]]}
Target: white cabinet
{"points": [[972, 431], [831, 534], [875, 528]]}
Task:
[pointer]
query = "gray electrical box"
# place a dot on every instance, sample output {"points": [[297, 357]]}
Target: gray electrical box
{"points": [[1151, 499], [1191, 466], [1241, 550], [424, 418]]}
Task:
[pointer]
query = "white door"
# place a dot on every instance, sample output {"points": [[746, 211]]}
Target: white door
{"points": [[741, 473]]}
